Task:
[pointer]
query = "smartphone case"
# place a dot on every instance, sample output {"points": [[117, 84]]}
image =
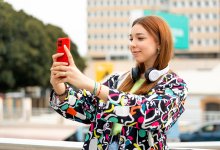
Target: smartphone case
{"points": [[60, 48]]}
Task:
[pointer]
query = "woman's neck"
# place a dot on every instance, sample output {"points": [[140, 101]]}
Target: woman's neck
{"points": [[148, 66], [142, 76]]}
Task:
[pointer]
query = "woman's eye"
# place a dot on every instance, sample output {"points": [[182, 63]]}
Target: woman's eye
{"points": [[140, 39], [130, 39]]}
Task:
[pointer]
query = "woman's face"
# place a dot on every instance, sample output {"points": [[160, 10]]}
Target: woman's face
{"points": [[143, 46]]}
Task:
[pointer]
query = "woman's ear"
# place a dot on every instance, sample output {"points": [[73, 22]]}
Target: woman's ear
{"points": [[158, 49]]}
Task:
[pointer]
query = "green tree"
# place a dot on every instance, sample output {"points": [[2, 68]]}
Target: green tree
{"points": [[26, 47]]}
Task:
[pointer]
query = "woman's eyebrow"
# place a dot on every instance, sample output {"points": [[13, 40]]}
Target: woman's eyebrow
{"points": [[137, 34]]}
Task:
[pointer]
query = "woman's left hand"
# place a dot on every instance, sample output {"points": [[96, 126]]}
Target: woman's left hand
{"points": [[72, 74]]}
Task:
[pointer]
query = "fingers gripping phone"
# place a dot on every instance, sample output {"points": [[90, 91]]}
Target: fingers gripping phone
{"points": [[60, 48]]}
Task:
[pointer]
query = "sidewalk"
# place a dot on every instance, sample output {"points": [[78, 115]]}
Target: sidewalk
{"points": [[45, 127], [41, 132]]}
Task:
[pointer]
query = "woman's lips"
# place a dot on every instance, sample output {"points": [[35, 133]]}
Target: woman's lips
{"points": [[136, 53]]}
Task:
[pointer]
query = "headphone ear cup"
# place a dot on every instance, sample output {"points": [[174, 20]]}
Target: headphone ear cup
{"points": [[135, 74], [152, 74], [147, 74]]}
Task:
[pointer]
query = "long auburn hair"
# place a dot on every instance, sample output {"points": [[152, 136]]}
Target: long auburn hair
{"points": [[161, 33]]}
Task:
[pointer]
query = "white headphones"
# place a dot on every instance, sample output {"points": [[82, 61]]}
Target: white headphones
{"points": [[151, 74], [155, 74]]}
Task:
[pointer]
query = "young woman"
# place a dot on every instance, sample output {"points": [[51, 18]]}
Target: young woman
{"points": [[129, 111]]}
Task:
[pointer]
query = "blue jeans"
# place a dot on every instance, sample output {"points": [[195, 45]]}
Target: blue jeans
{"points": [[113, 146]]}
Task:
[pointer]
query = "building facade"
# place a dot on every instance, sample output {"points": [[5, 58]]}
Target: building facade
{"points": [[109, 25]]}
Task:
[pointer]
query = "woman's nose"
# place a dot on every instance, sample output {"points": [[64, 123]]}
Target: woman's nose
{"points": [[132, 43]]}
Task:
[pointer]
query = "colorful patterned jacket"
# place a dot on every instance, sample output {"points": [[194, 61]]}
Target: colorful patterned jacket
{"points": [[145, 118]]}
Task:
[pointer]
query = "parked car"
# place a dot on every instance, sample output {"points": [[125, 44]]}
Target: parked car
{"points": [[207, 132], [173, 134]]}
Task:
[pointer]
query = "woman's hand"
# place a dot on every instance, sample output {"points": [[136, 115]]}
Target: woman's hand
{"points": [[61, 73]]}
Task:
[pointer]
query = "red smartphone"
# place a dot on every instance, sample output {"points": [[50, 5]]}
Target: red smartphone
{"points": [[60, 48]]}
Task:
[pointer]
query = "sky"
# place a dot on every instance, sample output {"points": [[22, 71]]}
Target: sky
{"points": [[70, 15]]}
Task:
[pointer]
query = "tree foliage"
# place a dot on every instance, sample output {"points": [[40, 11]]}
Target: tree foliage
{"points": [[26, 47]]}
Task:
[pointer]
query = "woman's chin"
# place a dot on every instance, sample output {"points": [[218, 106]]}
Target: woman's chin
{"points": [[139, 61]]}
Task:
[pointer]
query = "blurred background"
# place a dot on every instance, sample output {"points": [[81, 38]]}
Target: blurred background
{"points": [[28, 37]]}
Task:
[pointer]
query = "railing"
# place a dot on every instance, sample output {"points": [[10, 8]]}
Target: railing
{"points": [[27, 144]]}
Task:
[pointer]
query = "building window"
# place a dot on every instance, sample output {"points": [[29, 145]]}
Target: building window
{"points": [[202, 16], [194, 16], [207, 3], [183, 3], [191, 29], [207, 28], [198, 3], [191, 42], [122, 47], [95, 48], [211, 42], [203, 42], [206, 16], [199, 42], [101, 36], [194, 4], [100, 13], [215, 42], [89, 36], [108, 36], [89, 47], [214, 3], [214, 15], [122, 36], [190, 16], [102, 48], [207, 42], [199, 29], [198, 16], [212, 107], [122, 2], [215, 29], [134, 2]]}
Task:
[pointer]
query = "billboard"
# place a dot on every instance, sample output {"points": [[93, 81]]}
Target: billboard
{"points": [[179, 25], [102, 70]]}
